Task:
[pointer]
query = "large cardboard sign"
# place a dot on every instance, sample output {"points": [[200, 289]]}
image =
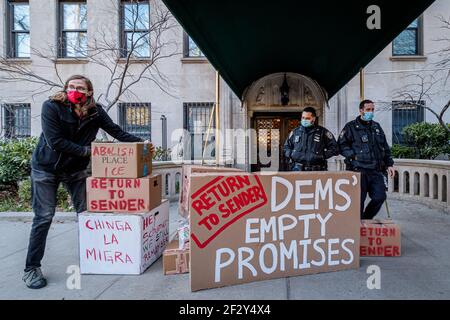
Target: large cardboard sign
{"points": [[186, 171], [380, 238], [122, 243], [121, 160], [248, 227], [132, 195]]}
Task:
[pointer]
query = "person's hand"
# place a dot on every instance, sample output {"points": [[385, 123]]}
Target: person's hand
{"points": [[391, 172], [87, 151], [152, 147]]}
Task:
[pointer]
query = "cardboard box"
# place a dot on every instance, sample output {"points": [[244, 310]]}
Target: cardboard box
{"points": [[122, 243], [132, 195], [249, 227], [380, 238], [186, 171], [121, 160], [175, 260]]}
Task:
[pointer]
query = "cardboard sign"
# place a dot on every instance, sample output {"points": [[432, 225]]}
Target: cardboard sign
{"points": [[249, 227], [121, 160], [132, 195], [176, 261], [380, 238], [122, 243], [186, 171]]}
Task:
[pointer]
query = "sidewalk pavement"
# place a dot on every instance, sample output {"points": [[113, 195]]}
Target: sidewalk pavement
{"points": [[421, 273]]}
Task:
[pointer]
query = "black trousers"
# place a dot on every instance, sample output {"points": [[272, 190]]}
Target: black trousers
{"points": [[44, 186], [372, 183]]}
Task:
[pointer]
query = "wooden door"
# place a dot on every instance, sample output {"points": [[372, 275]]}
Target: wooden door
{"points": [[273, 129]]}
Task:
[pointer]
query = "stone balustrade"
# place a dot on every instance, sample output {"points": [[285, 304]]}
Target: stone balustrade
{"points": [[171, 176], [424, 180]]}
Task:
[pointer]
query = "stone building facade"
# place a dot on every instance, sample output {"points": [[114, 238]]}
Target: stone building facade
{"points": [[180, 117]]}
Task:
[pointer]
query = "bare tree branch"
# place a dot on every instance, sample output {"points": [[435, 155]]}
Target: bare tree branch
{"points": [[148, 43]]}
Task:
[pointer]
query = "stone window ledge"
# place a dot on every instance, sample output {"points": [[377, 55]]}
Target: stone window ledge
{"points": [[71, 61], [19, 60], [135, 60], [193, 60], [408, 58]]}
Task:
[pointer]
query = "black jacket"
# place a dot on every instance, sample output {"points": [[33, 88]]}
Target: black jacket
{"points": [[364, 146], [64, 144], [310, 146]]}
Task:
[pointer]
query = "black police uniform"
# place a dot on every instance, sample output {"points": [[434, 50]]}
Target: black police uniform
{"points": [[364, 146], [309, 148]]}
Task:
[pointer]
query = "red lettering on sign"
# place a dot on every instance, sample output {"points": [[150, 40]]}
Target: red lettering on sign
{"points": [[141, 204], [233, 197], [392, 232], [111, 193], [93, 205], [132, 204], [363, 250], [363, 231], [396, 251]]}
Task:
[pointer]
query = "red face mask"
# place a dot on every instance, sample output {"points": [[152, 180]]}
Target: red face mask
{"points": [[76, 97]]}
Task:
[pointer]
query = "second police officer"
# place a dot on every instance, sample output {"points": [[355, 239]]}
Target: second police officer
{"points": [[363, 144], [309, 145]]}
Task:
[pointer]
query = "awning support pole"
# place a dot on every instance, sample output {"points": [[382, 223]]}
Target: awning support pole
{"points": [[361, 84], [217, 118]]}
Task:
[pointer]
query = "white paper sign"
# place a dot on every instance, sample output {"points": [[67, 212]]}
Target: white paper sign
{"points": [[122, 243]]}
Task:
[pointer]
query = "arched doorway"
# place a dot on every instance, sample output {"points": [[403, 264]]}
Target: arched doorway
{"points": [[272, 119]]}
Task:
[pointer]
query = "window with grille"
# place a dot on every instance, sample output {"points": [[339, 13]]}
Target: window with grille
{"points": [[135, 28], [408, 42], [72, 29], [403, 115], [135, 118], [196, 121], [16, 120], [190, 48], [18, 21]]}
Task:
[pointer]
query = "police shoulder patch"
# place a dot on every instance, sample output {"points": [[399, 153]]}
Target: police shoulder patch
{"points": [[329, 135]]}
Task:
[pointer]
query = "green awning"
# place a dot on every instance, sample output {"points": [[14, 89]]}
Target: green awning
{"points": [[327, 41]]}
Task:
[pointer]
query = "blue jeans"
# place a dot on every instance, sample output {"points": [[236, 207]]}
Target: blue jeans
{"points": [[44, 186]]}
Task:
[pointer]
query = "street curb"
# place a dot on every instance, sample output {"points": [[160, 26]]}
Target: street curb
{"points": [[28, 216]]}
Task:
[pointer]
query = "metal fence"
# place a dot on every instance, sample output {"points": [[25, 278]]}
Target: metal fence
{"points": [[135, 118], [403, 115], [16, 120]]}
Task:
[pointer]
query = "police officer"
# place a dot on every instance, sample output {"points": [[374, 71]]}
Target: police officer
{"points": [[309, 146], [363, 144]]}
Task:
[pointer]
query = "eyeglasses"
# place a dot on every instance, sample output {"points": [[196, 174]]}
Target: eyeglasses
{"points": [[79, 89]]}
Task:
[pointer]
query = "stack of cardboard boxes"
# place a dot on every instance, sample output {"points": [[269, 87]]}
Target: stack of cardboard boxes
{"points": [[126, 227]]}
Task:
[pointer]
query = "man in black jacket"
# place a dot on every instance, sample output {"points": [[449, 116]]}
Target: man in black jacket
{"points": [[309, 145], [70, 122], [363, 144]]}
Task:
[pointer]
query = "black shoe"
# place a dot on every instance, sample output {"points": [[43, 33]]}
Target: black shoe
{"points": [[34, 279]]}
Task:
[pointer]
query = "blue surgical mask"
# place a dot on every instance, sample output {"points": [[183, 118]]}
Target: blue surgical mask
{"points": [[306, 123], [367, 116]]}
